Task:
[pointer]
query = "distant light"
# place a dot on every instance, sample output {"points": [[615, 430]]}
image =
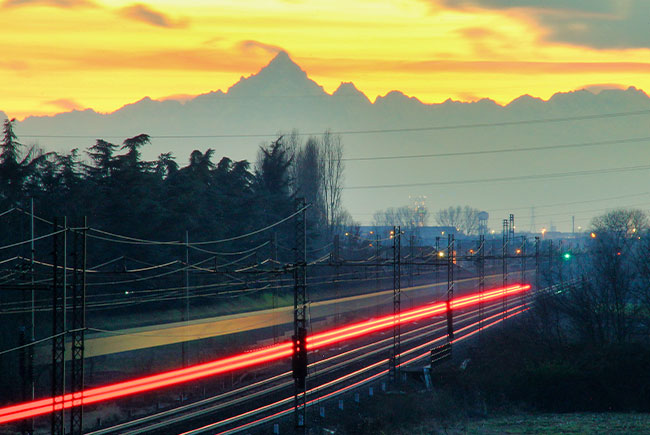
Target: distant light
{"points": [[618, 253], [566, 256], [372, 232], [126, 292], [518, 251], [441, 254], [634, 230], [471, 251], [593, 235], [543, 231], [370, 245], [347, 234], [442, 233]]}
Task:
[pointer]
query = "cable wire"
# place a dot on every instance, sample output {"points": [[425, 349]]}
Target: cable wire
{"points": [[497, 179]]}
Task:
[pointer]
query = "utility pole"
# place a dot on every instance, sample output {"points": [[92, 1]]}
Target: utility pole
{"points": [[299, 358], [397, 294], [532, 220], [573, 226]]}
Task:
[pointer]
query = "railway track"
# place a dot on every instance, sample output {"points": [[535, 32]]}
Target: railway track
{"points": [[335, 370]]}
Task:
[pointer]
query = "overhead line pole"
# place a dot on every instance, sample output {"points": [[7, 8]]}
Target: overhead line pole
{"points": [[78, 326], [186, 310], [504, 246], [523, 262], [536, 262], [57, 423], [451, 258], [397, 305], [299, 358], [481, 279]]}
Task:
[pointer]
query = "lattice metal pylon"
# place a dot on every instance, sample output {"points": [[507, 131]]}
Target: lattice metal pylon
{"points": [[481, 278], [505, 250], [397, 304], [299, 359], [78, 328], [451, 259], [59, 240]]}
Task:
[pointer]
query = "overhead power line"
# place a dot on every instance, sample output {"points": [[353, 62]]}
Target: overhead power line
{"points": [[498, 151], [138, 241], [368, 131], [557, 204], [497, 179]]}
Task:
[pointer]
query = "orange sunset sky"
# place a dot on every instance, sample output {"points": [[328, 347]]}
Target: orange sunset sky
{"points": [[60, 55]]}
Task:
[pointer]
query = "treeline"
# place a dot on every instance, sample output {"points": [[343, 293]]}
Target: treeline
{"points": [[122, 193], [585, 346]]}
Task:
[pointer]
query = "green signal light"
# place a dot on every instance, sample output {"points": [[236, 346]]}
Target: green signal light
{"points": [[566, 256]]}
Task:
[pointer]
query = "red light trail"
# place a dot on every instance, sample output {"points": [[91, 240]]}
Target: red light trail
{"points": [[243, 360], [516, 310]]}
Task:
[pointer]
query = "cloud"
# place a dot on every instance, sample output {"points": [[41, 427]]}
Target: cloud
{"points": [[67, 4], [602, 24], [66, 104], [343, 66], [143, 13], [196, 59], [250, 44], [478, 32]]}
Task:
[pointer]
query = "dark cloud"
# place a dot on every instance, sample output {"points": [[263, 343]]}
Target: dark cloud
{"points": [[142, 12], [588, 6], [252, 44], [594, 23], [53, 3]]}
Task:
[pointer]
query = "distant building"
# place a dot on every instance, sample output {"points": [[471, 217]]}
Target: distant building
{"points": [[424, 235]]}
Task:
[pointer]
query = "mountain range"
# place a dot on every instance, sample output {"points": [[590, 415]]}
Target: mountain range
{"points": [[281, 97]]}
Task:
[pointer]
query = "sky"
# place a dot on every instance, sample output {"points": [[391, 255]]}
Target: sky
{"points": [[60, 55]]}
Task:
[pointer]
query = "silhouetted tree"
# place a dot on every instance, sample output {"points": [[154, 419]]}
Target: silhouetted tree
{"points": [[465, 219]]}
